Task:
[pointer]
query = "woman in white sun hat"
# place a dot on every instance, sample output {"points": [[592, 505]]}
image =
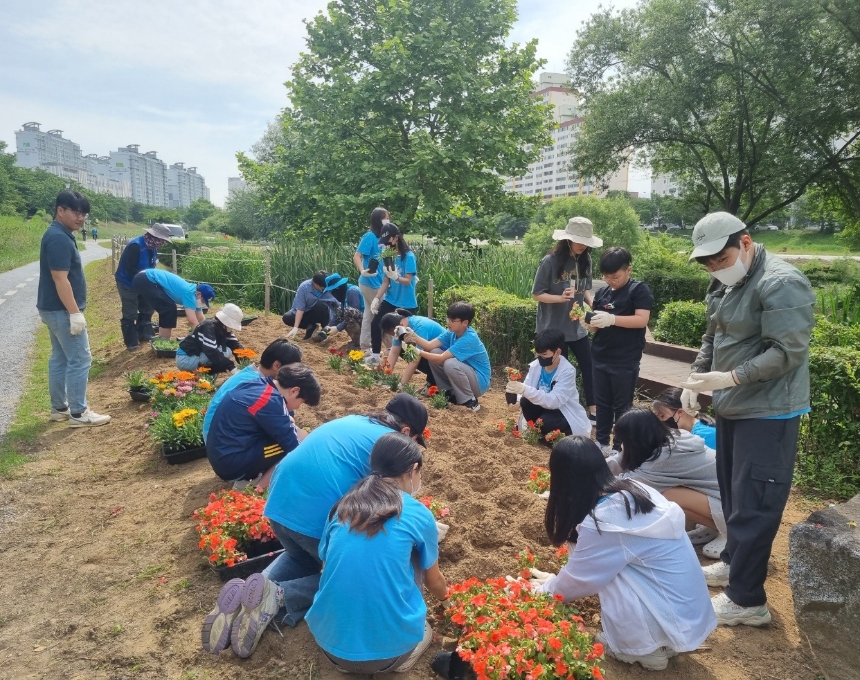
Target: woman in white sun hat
{"points": [[212, 342], [562, 279]]}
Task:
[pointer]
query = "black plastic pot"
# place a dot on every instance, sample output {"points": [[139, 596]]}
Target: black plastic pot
{"points": [[139, 393], [248, 319], [372, 266], [388, 262], [163, 353], [511, 398], [179, 456], [260, 555]]}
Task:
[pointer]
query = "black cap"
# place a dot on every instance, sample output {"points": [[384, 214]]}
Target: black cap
{"points": [[412, 412], [389, 231]]}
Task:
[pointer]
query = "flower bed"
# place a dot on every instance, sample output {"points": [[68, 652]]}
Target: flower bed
{"points": [[171, 389]]}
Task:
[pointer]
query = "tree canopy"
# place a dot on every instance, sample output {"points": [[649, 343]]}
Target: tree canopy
{"points": [[416, 105]]}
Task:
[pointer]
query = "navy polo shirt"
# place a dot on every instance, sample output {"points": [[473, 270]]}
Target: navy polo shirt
{"points": [[59, 252]]}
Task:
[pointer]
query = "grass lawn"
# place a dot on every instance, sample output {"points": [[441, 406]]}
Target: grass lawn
{"points": [[19, 241], [793, 242]]}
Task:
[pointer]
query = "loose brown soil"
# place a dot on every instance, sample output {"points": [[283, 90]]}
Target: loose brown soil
{"points": [[102, 577]]}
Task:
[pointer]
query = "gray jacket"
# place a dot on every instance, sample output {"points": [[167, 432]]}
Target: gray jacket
{"points": [[760, 329]]}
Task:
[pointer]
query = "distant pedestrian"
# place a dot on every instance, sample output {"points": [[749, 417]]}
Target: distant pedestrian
{"points": [[94, 233], [61, 299], [84, 234]]}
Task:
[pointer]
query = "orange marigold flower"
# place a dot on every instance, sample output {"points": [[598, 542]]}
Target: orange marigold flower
{"points": [[204, 369]]}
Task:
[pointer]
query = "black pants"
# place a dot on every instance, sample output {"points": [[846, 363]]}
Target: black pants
{"points": [[755, 463], [157, 298], [614, 387], [375, 328], [318, 314], [136, 320], [552, 419], [581, 350]]}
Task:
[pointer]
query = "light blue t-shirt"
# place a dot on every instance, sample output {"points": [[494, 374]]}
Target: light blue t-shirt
{"points": [[177, 288], [424, 327], [399, 294], [368, 606], [247, 374], [706, 432], [789, 416], [308, 482], [469, 349], [545, 380], [369, 249]]}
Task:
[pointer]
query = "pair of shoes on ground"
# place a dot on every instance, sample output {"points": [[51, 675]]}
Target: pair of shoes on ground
{"points": [[655, 661], [243, 610], [727, 612], [242, 484], [712, 541], [472, 404], [88, 418]]}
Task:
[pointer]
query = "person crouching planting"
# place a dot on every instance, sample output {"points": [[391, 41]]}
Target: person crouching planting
{"points": [[381, 539], [211, 343], [398, 323], [253, 428]]}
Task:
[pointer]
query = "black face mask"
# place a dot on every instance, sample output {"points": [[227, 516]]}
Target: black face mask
{"points": [[671, 423], [545, 361]]}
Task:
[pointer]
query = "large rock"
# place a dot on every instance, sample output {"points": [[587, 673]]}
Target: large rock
{"points": [[824, 574]]}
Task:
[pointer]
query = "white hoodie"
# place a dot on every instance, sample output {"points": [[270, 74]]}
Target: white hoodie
{"points": [[645, 571], [564, 396]]}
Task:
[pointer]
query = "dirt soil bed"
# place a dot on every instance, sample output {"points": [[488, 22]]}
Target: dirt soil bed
{"points": [[102, 577]]}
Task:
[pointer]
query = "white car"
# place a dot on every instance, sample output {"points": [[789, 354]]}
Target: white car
{"points": [[766, 227]]}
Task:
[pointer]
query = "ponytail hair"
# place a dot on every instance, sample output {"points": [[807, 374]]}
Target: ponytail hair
{"points": [[375, 499], [377, 217]]}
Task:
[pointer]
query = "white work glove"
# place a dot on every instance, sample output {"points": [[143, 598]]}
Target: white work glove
{"points": [[391, 273], [539, 577], [544, 495], [400, 331], [515, 387], [374, 305], [294, 331], [366, 272], [77, 323], [690, 402], [328, 330], [707, 382], [443, 530], [602, 320]]}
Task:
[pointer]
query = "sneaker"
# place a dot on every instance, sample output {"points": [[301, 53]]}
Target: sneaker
{"points": [[717, 575], [592, 417], [242, 484], [372, 360], [473, 405], [133, 348], [607, 450], [731, 614], [311, 332], [702, 534], [215, 634], [714, 549], [59, 416], [424, 390], [88, 419], [320, 336], [259, 606], [655, 661]]}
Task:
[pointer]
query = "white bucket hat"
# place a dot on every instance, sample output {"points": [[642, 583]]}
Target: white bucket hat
{"points": [[231, 316], [712, 232], [579, 230]]}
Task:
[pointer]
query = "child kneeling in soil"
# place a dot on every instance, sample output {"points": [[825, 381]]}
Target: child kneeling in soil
{"points": [[378, 535], [211, 343], [631, 550], [253, 428], [398, 324], [549, 392]]}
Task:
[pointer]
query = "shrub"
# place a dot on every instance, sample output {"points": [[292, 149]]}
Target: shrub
{"points": [[682, 323], [820, 273], [661, 262], [830, 334], [506, 323]]}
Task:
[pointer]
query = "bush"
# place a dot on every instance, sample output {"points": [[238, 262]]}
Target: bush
{"points": [[820, 273], [506, 323], [828, 459], [682, 323], [829, 334], [661, 262]]}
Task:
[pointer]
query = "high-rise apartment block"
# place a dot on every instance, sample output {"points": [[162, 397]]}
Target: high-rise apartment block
{"points": [[126, 173], [236, 184]]}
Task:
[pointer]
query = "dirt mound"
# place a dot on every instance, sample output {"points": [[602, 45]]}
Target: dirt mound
{"points": [[103, 579]]}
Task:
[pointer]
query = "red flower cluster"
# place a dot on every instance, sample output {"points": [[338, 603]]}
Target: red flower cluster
{"points": [[231, 521], [562, 554], [438, 508], [337, 352], [554, 436], [538, 480], [432, 391], [508, 631], [514, 374]]}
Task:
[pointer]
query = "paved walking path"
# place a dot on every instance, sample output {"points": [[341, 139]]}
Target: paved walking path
{"points": [[19, 319]]}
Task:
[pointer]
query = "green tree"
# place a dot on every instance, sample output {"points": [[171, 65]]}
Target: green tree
{"points": [[198, 211], [417, 105]]}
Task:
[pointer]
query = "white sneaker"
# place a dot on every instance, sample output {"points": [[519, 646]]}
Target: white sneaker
{"points": [[88, 419], [607, 450], [717, 574], [714, 549], [373, 360], [730, 614], [59, 416], [655, 661], [702, 534]]}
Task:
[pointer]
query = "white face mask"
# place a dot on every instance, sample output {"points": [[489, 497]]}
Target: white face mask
{"points": [[414, 491], [731, 275]]}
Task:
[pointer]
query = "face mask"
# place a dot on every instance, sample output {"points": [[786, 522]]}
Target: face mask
{"points": [[414, 491], [546, 361], [318, 293], [671, 423], [731, 275]]}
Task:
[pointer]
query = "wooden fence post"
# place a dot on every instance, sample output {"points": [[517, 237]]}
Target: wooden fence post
{"points": [[430, 298], [268, 281], [173, 253]]}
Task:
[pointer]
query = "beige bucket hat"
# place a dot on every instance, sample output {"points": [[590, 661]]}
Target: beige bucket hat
{"points": [[579, 230], [231, 316]]}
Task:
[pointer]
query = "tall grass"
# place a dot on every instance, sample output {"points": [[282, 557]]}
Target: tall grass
{"points": [[19, 241], [840, 304]]}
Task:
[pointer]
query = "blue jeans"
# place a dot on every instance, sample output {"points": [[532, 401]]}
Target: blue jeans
{"points": [[69, 365], [296, 570]]}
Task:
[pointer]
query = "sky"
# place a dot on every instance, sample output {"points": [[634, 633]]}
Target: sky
{"points": [[194, 81]]}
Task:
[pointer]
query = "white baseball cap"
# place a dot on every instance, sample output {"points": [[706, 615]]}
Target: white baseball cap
{"points": [[712, 232]]}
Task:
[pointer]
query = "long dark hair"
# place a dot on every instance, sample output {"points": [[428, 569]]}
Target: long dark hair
{"points": [[387, 419], [670, 398], [561, 253], [579, 476], [375, 499], [377, 216], [402, 246], [643, 436]]}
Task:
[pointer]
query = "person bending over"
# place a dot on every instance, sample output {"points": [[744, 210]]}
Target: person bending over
{"points": [[458, 358], [348, 312], [253, 428], [382, 540], [163, 291], [628, 548], [668, 408], [395, 325], [212, 342], [549, 392], [312, 307]]}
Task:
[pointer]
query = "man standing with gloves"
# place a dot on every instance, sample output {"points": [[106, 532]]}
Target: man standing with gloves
{"points": [[140, 253], [755, 359], [61, 299]]}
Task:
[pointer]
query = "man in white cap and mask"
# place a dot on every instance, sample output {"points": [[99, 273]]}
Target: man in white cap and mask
{"points": [[755, 360]]}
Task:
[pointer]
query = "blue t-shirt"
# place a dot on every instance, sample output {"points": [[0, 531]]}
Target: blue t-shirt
{"points": [[247, 374], [354, 298], [469, 349], [424, 327], [307, 296], [177, 288], [59, 252], [368, 606], [706, 432], [369, 249], [308, 482], [399, 294], [545, 380]]}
